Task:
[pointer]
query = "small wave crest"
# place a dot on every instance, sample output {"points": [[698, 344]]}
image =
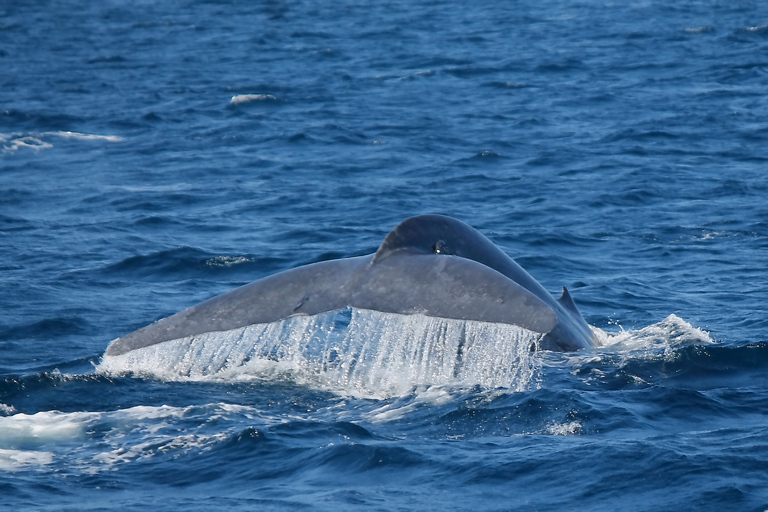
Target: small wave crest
{"points": [[15, 460], [37, 141], [30, 430], [669, 349], [28, 441], [670, 333], [351, 352], [241, 99]]}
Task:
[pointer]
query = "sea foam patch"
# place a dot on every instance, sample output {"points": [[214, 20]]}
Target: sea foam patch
{"points": [[26, 439], [16, 460], [671, 332], [240, 99], [37, 141], [85, 136], [29, 441], [30, 430], [661, 341]]}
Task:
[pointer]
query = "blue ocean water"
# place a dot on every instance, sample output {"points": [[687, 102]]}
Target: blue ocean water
{"points": [[153, 155]]}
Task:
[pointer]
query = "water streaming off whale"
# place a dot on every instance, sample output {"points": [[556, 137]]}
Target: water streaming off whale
{"points": [[351, 351]]}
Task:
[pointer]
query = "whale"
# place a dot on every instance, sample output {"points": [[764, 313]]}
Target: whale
{"points": [[432, 265]]}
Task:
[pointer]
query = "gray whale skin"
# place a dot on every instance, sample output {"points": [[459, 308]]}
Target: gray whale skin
{"points": [[430, 264]]}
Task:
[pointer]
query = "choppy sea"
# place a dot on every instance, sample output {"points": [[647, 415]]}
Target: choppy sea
{"points": [[155, 154]]}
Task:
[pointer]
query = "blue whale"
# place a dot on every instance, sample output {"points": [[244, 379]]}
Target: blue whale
{"points": [[431, 264]]}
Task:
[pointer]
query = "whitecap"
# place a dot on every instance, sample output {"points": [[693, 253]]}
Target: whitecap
{"points": [[564, 429], [16, 460], [38, 141], [669, 333], [699, 30], [247, 98], [140, 432], [43, 428], [27, 141], [226, 261], [86, 136]]}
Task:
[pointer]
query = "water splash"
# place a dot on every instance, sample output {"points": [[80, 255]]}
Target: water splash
{"points": [[628, 357], [351, 351], [670, 333]]}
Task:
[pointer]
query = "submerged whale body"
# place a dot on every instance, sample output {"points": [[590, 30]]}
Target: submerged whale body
{"points": [[431, 264]]}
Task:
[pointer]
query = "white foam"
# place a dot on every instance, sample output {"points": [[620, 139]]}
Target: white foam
{"points": [[22, 437], [564, 429], [54, 427], [353, 351], [16, 460], [86, 136], [37, 141], [670, 333], [247, 98], [134, 433], [156, 444], [27, 141], [425, 397], [24, 430], [227, 261]]}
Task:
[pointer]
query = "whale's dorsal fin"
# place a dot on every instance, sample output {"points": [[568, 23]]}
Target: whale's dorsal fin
{"points": [[566, 301]]}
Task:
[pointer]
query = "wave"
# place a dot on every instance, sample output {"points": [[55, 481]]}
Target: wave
{"points": [[28, 440], [400, 370], [183, 262], [188, 444], [11, 142], [669, 333], [241, 99]]}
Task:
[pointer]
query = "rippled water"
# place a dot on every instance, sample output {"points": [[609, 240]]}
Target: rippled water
{"points": [[155, 155]]}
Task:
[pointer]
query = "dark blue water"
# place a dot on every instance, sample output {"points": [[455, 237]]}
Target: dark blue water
{"points": [[155, 155]]}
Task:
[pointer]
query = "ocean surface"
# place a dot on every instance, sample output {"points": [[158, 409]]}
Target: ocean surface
{"points": [[156, 154]]}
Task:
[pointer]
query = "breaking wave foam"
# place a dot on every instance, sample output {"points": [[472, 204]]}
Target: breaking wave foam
{"points": [[41, 140], [352, 351], [30, 441], [239, 99], [669, 333]]}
